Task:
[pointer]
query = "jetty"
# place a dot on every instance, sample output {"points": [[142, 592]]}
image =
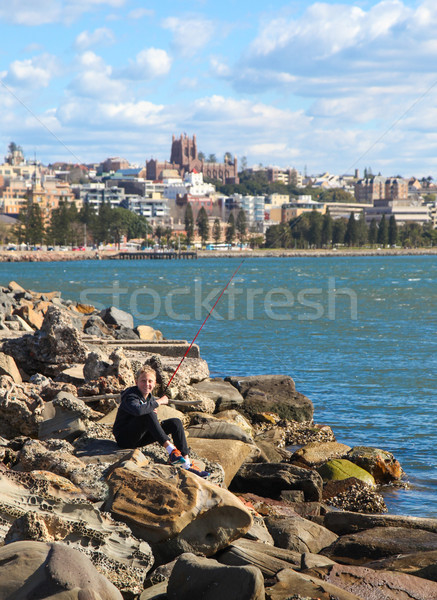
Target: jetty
{"points": [[155, 255]]}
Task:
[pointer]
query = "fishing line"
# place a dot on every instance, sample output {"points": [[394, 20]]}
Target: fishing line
{"points": [[200, 328]]}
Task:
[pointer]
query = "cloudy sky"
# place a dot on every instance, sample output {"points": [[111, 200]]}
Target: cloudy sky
{"points": [[323, 86]]}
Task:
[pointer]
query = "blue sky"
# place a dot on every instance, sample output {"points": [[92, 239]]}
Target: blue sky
{"points": [[325, 86]]}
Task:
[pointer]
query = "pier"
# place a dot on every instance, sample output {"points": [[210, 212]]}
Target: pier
{"points": [[160, 255]]}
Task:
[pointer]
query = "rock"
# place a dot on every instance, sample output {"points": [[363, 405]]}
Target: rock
{"points": [[32, 317], [420, 564], [350, 522], [36, 569], [297, 586], [269, 559], [13, 286], [380, 463], [96, 326], [351, 494], [298, 534], [219, 430], [148, 334], [315, 454], [229, 454], [380, 542], [271, 478], [22, 325], [340, 468], [236, 418], [84, 309], [115, 316], [197, 577], [124, 333], [273, 393], [6, 303], [155, 592], [65, 418], [96, 365], [55, 456], [223, 393], [311, 561], [19, 413], [173, 509], [119, 556], [369, 584], [8, 367]]}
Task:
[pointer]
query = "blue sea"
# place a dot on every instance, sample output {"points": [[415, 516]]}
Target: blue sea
{"points": [[357, 334]]}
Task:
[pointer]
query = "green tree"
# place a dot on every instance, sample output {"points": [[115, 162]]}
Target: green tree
{"points": [[362, 230], [314, 236], [227, 157], [327, 226], [201, 155], [382, 238], [392, 231], [230, 230], [241, 225], [30, 226], [159, 232], [212, 158], [373, 232], [216, 231], [351, 234], [189, 223], [202, 224], [338, 231]]}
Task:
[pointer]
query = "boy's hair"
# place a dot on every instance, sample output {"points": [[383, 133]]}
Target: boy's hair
{"points": [[147, 370]]}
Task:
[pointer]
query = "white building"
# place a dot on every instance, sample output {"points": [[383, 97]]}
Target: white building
{"points": [[192, 184]]}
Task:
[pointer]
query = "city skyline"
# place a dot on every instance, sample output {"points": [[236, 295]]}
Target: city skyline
{"points": [[323, 86]]}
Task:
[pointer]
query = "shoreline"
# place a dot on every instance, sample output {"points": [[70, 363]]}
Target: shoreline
{"points": [[57, 256]]}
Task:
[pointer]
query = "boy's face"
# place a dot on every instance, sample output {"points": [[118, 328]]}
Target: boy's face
{"points": [[145, 383]]}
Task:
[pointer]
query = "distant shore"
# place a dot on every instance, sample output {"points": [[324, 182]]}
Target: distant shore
{"points": [[43, 256]]}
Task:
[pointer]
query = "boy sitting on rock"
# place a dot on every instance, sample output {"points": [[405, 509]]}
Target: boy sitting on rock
{"points": [[137, 424]]}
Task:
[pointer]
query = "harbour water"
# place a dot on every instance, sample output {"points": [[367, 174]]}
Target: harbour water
{"points": [[357, 334]]}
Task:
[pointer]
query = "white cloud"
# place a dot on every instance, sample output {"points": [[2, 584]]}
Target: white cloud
{"points": [[86, 39], [190, 34], [148, 64], [36, 72], [95, 78], [139, 13], [31, 13]]}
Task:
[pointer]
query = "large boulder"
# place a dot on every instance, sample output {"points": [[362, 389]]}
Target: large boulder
{"points": [[315, 454], [9, 367], [293, 585], [379, 463], [223, 393], [270, 479], [20, 412], [339, 468], [273, 393], [173, 509], [197, 577], [66, 417], [381, 542], [216, 429], [30, 569], [115, 316], [420, 564], [369, 584], [268, 558], [350, 522], [298, 534]]}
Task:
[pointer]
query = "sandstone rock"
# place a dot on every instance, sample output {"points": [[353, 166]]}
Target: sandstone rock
{"points": [[22, 325], [115, 316], [197, 577], [29, 569], [96, 326], [6, 303], [271, 478], [96, 365], [273, 393], [368, 584], [298, 585], [229, 454], [55, 456], [223, 393], [16, 287], [8, 367], [173, 509], [19, 412], [298, 534], [62, 516], [350, 522], [65, 418], [420, 564], [354, 495], [312, 561], [84, 309], [32, 317], [155, 592], [315, 454], [269, 559], [219, 430], [381, 542], [235, 417], [339, 469], [380, 463], [147, 333]]}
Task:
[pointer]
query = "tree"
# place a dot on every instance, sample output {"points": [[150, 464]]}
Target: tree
{"points": [[241, 225], [201, 155], [338, 231], [382, 237], [392, 231], [327, 226], [217, 231], [159, 232], [351, 234], [30, 226], [230, 230], [243, 163], [362, 231], [373, 232], [315, 229], [189, 223], [202, 224], [212, 158], [227, 157]]}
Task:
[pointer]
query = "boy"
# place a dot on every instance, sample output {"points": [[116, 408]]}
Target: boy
{"points": [[137, 424]]}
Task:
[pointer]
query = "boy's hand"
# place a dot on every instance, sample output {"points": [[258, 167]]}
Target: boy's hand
{"points": [[162, 400]]}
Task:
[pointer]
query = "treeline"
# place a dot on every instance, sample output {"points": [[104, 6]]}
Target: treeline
{"points": [[314, 230], [69, 226]]}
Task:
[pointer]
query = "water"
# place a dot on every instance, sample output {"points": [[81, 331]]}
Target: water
{"points": [[358, 335]]}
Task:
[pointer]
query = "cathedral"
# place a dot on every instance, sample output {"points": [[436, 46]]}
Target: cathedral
{"points": [[184, 159]]}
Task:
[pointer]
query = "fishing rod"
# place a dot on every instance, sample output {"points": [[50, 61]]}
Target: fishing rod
{"points": [[200, 328]]}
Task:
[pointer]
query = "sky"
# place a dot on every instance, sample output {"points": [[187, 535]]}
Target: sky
{"points": [[322, 86]]}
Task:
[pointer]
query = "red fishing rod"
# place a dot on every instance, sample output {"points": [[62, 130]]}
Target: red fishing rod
{"points": [[200, 328]]}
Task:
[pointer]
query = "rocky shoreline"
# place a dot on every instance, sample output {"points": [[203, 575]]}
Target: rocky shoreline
{"points": [[54, 256], [82, 519]]}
